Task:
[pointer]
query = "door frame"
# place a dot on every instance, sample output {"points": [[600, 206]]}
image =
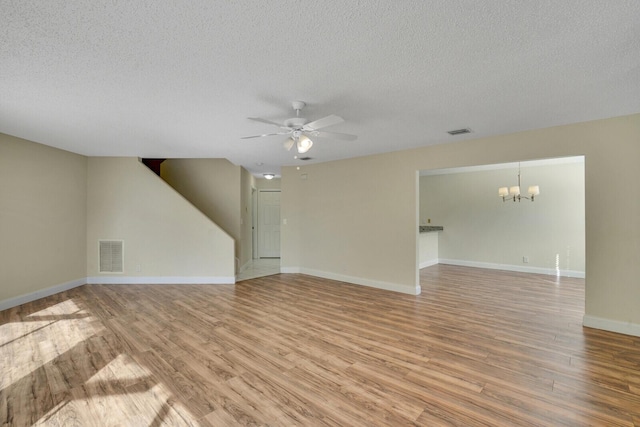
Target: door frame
{"points": [[254, 223]]}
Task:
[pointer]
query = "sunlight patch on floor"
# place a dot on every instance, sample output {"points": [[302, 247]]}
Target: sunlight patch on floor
{"points": [[55, 335], [150, 407], [10, 332], [65, 307], [119, 391], [123, 369]]}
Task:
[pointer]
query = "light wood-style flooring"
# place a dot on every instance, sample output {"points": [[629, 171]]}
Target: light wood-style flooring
{"points": [[476, 348], [259, 268]]}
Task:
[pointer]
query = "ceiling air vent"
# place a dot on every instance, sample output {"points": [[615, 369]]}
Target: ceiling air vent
{"points": [[305, 158], [111, 256], [459, 131]]}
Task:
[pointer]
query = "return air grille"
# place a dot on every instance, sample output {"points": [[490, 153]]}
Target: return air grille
{"points": [[459, 131], [111, 256]]}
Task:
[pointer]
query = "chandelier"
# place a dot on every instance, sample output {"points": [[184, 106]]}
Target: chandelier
{"points": [[513, 193]]}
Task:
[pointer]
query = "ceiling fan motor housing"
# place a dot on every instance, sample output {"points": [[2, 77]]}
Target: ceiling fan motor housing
{"points": [[295, 123], [298, 105]]}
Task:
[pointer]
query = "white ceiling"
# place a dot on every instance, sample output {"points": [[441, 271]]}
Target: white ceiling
{"points": [[179, 79]]}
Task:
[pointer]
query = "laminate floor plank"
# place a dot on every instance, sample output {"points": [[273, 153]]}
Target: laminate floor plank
{"points": [[476, 348]]}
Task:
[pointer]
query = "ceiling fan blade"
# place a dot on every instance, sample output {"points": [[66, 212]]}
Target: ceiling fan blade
{"points": [[334, 135], [323, 122], [265, 134], [269, 122], [289, 143]]}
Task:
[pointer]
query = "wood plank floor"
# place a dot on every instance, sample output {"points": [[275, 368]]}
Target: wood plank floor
{"points": [[476, 348]]}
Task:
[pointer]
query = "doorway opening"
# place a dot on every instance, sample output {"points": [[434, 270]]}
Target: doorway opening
{"points": [[265, 234], [479, 229]]}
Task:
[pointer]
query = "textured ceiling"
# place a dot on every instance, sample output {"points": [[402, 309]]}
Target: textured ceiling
{"points": [[180, 78]]}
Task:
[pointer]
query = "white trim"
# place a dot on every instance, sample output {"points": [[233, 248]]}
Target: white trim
{"points": [[161, 280], [254, 223], [245, 266], [512, 165], [610, 325], [41, 293], [115, 280], [511, 267], [395, 287], [428, 263]]}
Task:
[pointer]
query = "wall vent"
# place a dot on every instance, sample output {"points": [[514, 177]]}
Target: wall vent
{"points": [[111, 256], [459, 131]]}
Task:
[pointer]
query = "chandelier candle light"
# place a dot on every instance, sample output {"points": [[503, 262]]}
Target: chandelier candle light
{"points": [[513, 192]]}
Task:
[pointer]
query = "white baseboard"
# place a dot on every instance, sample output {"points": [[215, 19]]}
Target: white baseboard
{"points": [[395, 287], [245, 266], [115, 280], [626, 328], [23, 299], [428, 263], [161, 280], [510, 267]]}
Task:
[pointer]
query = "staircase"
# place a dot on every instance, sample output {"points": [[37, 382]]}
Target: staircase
{"points": [[153, 164]]}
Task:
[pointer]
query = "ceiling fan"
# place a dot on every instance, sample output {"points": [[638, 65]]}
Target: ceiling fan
{"points": [[300, 130]]}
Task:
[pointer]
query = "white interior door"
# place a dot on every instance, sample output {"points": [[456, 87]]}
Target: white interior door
{"points": [[269, 223]]}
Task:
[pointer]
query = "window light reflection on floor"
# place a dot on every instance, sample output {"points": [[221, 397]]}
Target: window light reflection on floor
{"points": [[115, 392], [124, 369], [61, 327], [147, 408]]}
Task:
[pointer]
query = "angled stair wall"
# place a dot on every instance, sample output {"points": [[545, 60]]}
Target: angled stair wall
{"points": [[166, 239]]}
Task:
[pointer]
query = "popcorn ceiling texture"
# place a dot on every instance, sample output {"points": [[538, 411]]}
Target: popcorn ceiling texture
{"points": [[179, 79]]}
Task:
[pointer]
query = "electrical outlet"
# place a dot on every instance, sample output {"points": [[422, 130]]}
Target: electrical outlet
{"points": [[525, 259]]}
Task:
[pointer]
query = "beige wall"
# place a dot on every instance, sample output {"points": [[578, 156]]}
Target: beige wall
{"points": [[482, 230], [43, 196], [357, 218], [165, 238], [428, 248], [353, 220], [222, 191], [212, 185], [267, 184]]}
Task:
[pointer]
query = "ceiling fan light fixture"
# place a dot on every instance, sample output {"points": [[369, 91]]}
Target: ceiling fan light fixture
{"points": [[304, 144], [300, 129], [289, 143]]}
